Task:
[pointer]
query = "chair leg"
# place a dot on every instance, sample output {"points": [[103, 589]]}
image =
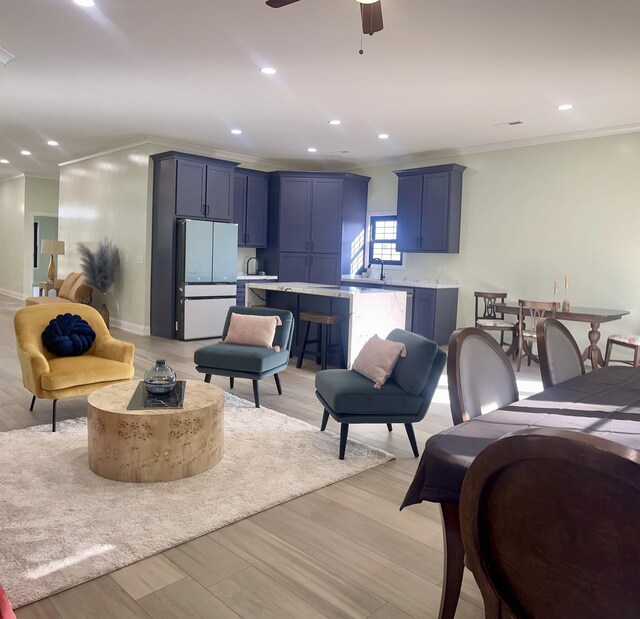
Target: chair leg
{"points": [[343, 357], [344, 431], [607, 355], [304, 345], [389, 427], [520, 347], [207, 378], [319, 348], [278, 385], [636, 357], [256, 394], [33, 401], [325, 419], [325, 345], [412, 439], [231, 382], [53, 417]]}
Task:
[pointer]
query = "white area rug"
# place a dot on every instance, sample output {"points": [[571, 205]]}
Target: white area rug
{"points": [[63, 525]]}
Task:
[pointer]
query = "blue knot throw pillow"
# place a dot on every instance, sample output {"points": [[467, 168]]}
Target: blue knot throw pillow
{"points": [[68, 335]]}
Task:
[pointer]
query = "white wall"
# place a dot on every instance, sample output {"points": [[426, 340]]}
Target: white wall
{"points": [[41, 198], [531, 215], [110, 196], [12, 198]]}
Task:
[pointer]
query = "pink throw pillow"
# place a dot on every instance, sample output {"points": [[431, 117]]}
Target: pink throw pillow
{"points": [[377, 359], [252, 330]]}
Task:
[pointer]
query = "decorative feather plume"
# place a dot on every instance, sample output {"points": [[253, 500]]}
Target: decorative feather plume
{"points": [[102, 267]]}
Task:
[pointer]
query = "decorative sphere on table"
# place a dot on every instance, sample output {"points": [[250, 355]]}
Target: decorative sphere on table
{"points": [[161, 378]]}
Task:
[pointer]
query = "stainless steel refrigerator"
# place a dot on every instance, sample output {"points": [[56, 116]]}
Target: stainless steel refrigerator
{"points": [[206, 277]]}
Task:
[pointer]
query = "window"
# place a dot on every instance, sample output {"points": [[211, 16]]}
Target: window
{"points": [[382, 239]]}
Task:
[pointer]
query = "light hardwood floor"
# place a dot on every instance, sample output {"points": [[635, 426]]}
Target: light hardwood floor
{"points": [[342, 551]]}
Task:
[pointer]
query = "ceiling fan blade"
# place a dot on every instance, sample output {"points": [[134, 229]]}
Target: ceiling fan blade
{"points": [[276, 4], [371, 17]]}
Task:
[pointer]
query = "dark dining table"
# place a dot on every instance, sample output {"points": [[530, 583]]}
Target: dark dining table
{"points": [[595, 316], [606, 403]]}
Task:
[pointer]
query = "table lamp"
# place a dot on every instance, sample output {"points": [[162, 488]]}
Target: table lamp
{"points": [[54, 248]]}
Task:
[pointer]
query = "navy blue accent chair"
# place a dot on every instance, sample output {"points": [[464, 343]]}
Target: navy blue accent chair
{"points": [[252, 362], [349, 397]]}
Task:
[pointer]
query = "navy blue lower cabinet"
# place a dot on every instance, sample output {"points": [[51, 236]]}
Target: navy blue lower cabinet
{"points": [[435, 313]]}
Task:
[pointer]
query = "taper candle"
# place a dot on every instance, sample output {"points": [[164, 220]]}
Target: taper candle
{"points": [[566, 282], [555, 286]]}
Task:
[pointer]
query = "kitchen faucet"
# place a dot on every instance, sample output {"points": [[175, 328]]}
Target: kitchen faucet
{"points": [[249, 262], [381, 263]]}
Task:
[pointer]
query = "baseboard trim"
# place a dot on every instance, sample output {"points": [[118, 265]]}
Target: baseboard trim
{"points": [[12, 294], [132, 327]]}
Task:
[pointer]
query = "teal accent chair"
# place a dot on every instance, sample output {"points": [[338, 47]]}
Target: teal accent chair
{"points": [[349, 397], [253, 362]]}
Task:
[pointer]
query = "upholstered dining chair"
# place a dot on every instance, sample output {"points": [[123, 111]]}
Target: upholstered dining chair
{"points": [[479, 374], [405, 397], [560, 357], [488, 319], [626, 341], [50, 377], [549, 522], [247, 361], [531, 312]]}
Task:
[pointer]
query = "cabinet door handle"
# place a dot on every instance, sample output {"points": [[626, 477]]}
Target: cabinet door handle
{"points": [[246, 238], [207, 211], [204, 209]]}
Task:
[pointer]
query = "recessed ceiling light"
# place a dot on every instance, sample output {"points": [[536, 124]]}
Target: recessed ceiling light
{"points": [[52, 143], [4, 161], [335, 122], [85, 3], [312, 150], [268, 70], [565, 106], [383, 136], [236, 131], [26, 153]]}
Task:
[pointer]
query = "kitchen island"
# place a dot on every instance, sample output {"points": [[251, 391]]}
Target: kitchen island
{"points": [[367, 311]]}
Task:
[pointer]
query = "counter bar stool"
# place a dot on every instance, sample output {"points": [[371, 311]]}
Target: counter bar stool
{"points": [[323, 323]]}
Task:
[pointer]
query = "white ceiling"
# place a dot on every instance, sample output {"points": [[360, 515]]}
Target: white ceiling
{"points": [[440, 76]]}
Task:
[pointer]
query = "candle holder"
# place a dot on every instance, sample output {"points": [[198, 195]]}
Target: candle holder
{"points": [[566, 306]]}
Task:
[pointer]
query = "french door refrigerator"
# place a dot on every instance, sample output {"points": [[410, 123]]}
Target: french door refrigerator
{"points": [[206, 277]]}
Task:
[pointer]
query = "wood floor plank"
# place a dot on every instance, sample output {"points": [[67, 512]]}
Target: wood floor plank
{"points": [[205, 560], [422, 529], [43, 609], [253, 595], [389, 611], [185, 599], [379, 538], [101, 598], [404, 589], [146, 576], [332, 594]]}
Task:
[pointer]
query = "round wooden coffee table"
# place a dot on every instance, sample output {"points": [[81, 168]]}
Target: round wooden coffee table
{"points": [[155, 444]]}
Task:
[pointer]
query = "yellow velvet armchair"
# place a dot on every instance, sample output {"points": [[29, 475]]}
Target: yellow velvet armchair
{"points": [[52, 378]]}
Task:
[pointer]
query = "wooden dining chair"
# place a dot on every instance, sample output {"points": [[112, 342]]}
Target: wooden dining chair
{"points": [[488, 319], [560, 357], [479, 375], [626, 341], [549, 522], [530, 312]]}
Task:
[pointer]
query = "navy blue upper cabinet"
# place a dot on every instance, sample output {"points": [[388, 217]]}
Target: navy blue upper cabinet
{"points": [[429, 208], [204, 186], [315, 222], [250, 207]]}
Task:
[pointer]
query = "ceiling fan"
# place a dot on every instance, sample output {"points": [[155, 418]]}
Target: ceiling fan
{"points": [[370, 11]]}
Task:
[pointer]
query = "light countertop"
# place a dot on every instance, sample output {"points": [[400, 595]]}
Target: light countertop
{"points": [[322, 290], [248, 278], [405, 282]]}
